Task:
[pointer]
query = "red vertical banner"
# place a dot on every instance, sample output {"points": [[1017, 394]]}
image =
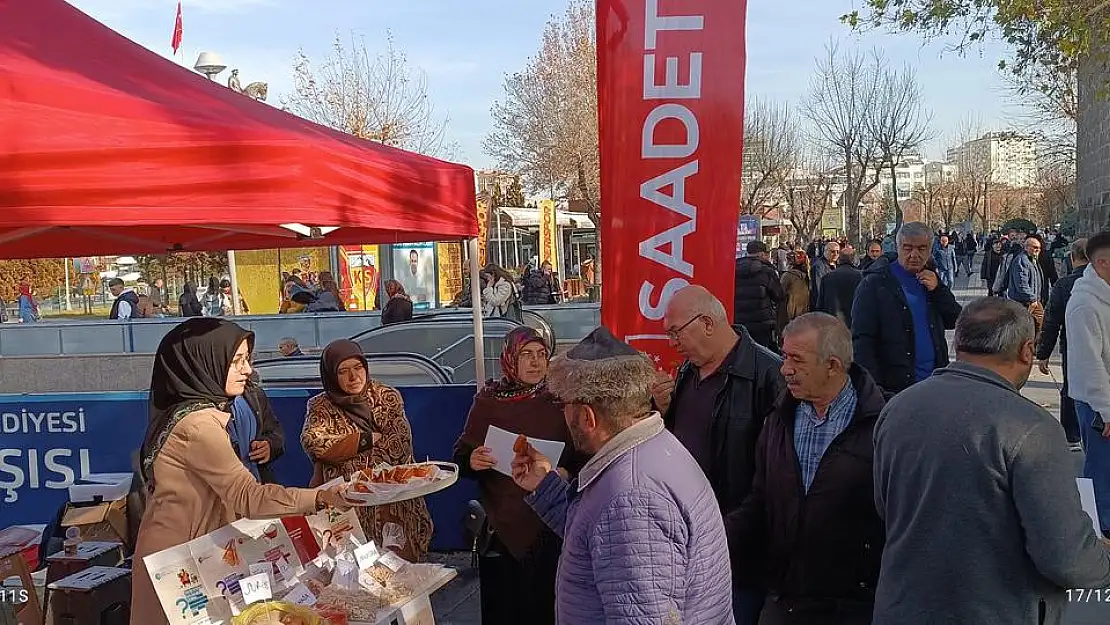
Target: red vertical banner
{"points": [[671, 114]]}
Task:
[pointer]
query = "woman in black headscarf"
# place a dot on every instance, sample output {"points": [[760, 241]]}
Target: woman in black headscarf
{"points": [[194, 480], [356, 423]]}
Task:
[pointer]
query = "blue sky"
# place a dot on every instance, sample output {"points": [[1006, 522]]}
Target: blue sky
{"points": [[467, 46]]}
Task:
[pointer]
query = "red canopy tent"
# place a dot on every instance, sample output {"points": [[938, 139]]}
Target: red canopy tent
{"points": [[106, 147]]}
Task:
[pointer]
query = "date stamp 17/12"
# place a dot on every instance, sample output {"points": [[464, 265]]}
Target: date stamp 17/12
{"points": [[1088, 595]]}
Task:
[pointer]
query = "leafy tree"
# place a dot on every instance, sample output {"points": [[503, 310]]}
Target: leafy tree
{"points": [[1019, 224], [1046, 35], [514, 195], [195, 267], [46, 276]]}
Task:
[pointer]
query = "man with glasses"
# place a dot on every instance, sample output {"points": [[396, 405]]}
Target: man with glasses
{"points": [[717, 405]]}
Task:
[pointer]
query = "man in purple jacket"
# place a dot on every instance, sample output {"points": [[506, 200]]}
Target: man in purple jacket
{"points": [[643, 538]]}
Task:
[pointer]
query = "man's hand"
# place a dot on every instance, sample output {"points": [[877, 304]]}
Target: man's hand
{"points": [[928, 279], [662, 390], [260, 451], [1043, 366], [482, 458], [529, 468], [1106, 430]]}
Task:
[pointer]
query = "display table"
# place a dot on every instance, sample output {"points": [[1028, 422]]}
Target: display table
{"points": [[416, 610]]}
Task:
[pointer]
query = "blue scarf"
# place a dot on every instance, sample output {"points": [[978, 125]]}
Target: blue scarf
{"points": [[243, 429]]}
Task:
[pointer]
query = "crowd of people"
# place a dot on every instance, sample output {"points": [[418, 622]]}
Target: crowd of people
{"points": [[792, 474], [816, 480]]}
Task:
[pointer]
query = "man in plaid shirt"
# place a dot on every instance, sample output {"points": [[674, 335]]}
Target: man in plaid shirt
{"points": [[809, 527]]}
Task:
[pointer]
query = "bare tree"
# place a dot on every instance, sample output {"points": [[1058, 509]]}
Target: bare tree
{"points": [[842, 92], [896, 122], [974, 175], [939, 200], [377, 97], [545, 127], [1048, 103], [771, 146], [808, 191]]}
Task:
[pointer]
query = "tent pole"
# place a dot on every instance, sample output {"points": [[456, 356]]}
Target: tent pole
{"points": [[235, 308], [476, 307], [67, 264]]}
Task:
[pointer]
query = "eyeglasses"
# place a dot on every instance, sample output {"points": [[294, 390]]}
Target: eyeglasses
{"points": [[673, 334]]}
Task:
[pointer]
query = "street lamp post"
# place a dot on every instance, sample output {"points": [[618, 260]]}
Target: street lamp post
{"points": [[210, 64]]}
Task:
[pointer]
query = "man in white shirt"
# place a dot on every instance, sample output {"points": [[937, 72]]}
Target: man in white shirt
{"points": [[127, 302], [1087, 321]]}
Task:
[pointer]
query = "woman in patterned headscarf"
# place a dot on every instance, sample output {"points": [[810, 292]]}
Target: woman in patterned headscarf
{"points": [[357, 423], [523, 591]]}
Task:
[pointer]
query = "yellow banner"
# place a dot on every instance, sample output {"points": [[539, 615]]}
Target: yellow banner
{"points": [[549, 234], [449, 255], [483, 230]]}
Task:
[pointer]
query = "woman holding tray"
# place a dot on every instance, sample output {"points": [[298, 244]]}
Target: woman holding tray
{"points": [[359, 423], [195, 482], [517, 564]]}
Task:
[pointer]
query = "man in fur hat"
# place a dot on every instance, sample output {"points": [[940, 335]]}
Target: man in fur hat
{"points": [[643, 536]]}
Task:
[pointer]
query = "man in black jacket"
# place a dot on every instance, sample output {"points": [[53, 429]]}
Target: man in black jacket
{"points": [[900, 314], [724, 392], [758, 294], [1053, 327], [809, 526], [269, 445], [838, 290]]}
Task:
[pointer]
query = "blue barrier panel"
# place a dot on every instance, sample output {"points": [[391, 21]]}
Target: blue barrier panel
{"points": [[49, 440]]}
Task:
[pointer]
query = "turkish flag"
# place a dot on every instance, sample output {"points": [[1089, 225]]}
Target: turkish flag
{"points": [[176, 41]]}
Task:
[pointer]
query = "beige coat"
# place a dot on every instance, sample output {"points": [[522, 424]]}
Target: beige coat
{"points": [[200, 485]]}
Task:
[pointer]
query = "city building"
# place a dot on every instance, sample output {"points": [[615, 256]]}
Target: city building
{"points": [[487, 179], [1011, 158]]}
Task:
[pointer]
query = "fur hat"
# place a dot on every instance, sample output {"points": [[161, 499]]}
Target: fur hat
{"points": [[600, 368]]}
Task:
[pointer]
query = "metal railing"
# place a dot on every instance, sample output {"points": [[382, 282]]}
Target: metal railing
{"points": [[561, 322]]}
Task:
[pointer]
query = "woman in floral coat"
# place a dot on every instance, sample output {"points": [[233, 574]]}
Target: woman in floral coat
{"points": [[358, 423]]}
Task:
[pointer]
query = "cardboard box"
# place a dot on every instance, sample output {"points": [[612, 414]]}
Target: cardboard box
{"points": [[99, 522], [96, 595], [101, 487]]}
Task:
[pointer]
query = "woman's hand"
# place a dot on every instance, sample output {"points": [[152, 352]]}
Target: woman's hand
{"points": [[482, 459], [331, 499], [375, 437]]}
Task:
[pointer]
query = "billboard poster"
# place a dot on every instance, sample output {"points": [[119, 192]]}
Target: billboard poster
{"points": [[358, 276], [671, 124], [414, 266], [747, 230]]}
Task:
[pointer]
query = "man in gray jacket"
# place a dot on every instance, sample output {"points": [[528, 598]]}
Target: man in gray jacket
{"points": [[982, 514], [643, 537]]}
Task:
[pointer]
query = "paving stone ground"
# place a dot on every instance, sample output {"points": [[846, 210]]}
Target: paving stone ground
{"points": [[458, 603]]}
